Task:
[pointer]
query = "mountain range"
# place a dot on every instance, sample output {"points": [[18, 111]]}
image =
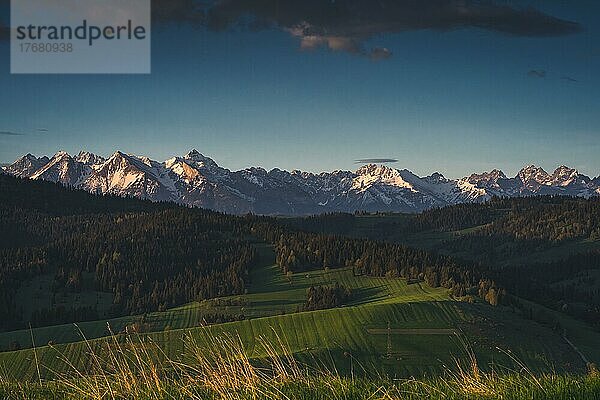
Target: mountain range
{"points": [[197, 180]]}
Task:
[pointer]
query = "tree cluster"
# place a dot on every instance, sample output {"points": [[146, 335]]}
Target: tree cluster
{"points": [[326, 296]]}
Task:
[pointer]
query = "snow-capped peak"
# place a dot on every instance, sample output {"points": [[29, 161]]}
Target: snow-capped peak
{"points": [[200, 159], [535, 174], [26, 166], [373, 170], [564, 173], [118, 158], [371, 174], [88, 158], [487, 177], [29, 157], [61, 154]]}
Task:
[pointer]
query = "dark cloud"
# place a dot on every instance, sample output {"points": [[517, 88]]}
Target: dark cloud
{"points": [[10, 133], [537, 73], [568, 79], [345, 25], [380, 53], [43, 130], [376, 161]]}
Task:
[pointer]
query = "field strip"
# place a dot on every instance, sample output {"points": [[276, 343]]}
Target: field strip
{"points": [[384, 331]]}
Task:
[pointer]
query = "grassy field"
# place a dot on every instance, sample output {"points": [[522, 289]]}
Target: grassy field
{"points": [[135, 368], [270, 293], [352, 338], [329, 388]]}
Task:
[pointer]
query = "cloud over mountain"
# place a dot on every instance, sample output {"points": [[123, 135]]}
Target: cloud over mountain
{"points": [[375, 161]]}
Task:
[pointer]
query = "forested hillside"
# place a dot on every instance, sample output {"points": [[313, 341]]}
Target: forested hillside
{"points": [[149, 256], [153, 256]]}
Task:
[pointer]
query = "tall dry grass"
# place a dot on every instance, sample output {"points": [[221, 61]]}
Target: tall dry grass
{"points": [[219, 367]]}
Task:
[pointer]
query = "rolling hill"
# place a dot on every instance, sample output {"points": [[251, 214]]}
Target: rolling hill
{"points": [[395, 321]]}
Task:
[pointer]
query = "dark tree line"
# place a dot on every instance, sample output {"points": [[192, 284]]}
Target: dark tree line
{"points": [[551, 219], [548, 219], [535, 218], [457, 217]]}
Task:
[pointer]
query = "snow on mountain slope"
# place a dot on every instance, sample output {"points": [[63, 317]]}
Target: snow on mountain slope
{"points": [[197, 180], [89, 158], [64, 169], [26, 166], [534, 176], [373, 175], [128, 175]]}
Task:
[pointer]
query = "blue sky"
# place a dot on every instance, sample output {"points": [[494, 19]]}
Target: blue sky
{"points": [[457, 101]]}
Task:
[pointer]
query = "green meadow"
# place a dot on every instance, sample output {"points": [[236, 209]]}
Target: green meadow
{"points": [[389, 328]]}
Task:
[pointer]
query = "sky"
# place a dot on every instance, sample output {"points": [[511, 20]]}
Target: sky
{"points": [[453, 86]]}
